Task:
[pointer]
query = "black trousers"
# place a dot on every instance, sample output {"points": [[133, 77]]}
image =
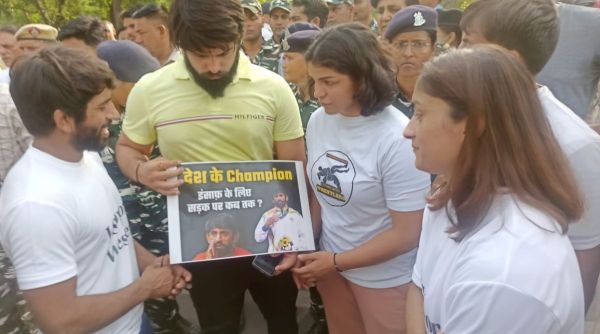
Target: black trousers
{"points": [[218, 289]]}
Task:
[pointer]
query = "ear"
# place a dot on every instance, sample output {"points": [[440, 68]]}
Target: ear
{"points": [[316, 21], [517, 55], [162, 29], [451, 38], [63, 122]]}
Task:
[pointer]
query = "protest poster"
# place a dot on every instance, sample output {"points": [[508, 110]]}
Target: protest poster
{"points": [[235, 209]]}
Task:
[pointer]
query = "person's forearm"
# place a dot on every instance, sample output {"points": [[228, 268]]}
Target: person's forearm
{"points": [[128, 159], [143, 256], [415, 316], [384, 246], [93, 312]]}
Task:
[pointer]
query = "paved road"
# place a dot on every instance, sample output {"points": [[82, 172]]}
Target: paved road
{"points": [[255, 324]]}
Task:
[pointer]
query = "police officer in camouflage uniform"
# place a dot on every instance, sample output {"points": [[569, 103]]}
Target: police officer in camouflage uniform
{"points": [[279, 18], [14, 315], [296, 73], [340, 11], [268, 52], [146, 209]]}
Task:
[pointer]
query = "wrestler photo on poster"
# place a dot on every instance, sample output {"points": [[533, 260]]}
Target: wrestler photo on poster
{"points": [[234, 209]]}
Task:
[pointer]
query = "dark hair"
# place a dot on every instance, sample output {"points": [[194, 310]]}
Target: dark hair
{"points": [[352, 49], [152, 11], [508, 142], [223, 221], [89, 29], [56, 78], [452, 29], [432, 35], [9, 29], [314, 8], [529, 27], [202, 24], [128, 13]]}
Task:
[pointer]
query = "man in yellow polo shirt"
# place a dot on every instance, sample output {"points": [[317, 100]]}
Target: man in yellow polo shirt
{"points": [[212, 104]]}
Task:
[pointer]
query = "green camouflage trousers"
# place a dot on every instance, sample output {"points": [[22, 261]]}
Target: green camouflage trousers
{"points": [[14, 316]]}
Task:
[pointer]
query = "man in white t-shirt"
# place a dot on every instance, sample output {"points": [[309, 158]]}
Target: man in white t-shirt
{"points": [[284, 227], [63, 222], [530, 29]]}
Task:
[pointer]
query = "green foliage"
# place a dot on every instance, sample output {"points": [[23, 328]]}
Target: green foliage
{"points": [[464, 4], [57, 12]]}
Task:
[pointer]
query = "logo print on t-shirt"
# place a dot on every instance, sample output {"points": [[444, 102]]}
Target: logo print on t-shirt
{"points": [[333, 176]]}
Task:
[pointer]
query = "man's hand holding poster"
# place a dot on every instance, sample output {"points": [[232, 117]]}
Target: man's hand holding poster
{"points": [[235, 209]]}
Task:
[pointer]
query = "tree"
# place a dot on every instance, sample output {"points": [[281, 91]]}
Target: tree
{"points": [[58, 12], [462, 4]]}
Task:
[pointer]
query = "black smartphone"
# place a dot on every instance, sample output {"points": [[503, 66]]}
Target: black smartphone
{"points": [[266, 264]]}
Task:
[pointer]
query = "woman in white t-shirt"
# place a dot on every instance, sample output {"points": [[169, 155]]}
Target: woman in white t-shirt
{"points": [[362, 172], [493, 255]]}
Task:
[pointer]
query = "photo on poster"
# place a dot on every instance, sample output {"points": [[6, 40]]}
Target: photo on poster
{"points": [[235, 209]]}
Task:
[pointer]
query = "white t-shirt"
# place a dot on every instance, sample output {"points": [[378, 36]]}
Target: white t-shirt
{"points": [[581, 145], [5, 76], [266, 32], [509, 276], [62, 219], [289, 233], [360, 168]]}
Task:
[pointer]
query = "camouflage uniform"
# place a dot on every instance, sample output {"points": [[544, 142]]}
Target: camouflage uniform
{"points": [[14, 315], [441, 48], [147, 215], [306, 108], [268, 56], [316, 303], [374, 27]]}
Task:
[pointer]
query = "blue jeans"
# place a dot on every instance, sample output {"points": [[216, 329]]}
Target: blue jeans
{"points": [[146, 327]]}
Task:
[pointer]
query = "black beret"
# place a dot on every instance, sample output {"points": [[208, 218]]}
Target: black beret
{"points": [[300, 41], [449, 17], [412, 18], [266, 7], [127, 60], [299, 26]]}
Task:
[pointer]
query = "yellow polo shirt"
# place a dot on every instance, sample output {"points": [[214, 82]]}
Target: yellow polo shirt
{"points": [[167, 107]]}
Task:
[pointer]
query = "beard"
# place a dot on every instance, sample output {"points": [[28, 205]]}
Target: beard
{"points": [[89, 138], [223, 250], [214, 87]]}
